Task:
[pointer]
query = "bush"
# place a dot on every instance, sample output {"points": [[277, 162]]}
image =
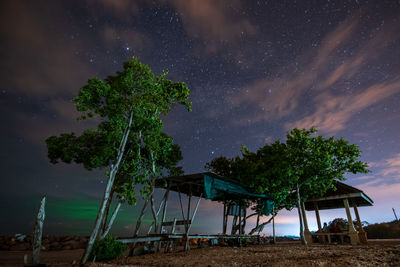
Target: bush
{"points": [[383, 230], [107, 249]]}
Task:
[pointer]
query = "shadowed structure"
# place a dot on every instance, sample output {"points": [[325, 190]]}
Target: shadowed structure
{"points": [[343, 197]]}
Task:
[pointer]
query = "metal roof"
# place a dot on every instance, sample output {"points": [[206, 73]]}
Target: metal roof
{"points": [[194, 184], [333, 199]]}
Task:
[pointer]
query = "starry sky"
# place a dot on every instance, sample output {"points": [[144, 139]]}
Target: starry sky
{"points": [[256, 69]]}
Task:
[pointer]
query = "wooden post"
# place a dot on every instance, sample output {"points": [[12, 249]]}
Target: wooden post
{"points": [[307, 233], [240, 219], [394, 212], [223, 220], [163, 217], [158, 212], [362, 235], [37, 234], [180, 201], [352, 231], [164, 214], [137, 227], [273, 230], [317, 215], [187, 222], [244, 221]]}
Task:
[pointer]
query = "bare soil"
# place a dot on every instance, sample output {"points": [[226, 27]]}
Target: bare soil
{"points": [[376, 253]]}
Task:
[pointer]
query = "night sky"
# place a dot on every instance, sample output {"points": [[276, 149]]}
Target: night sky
{"points": [[256, 69]]}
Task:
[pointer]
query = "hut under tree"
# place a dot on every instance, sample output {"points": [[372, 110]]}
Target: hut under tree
{"points": [[206, 185], [345, 196]]}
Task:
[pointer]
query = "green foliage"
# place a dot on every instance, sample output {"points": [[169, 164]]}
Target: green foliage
{"points": [[316, 162], [309, 162], [107, 249], [134, 94]]}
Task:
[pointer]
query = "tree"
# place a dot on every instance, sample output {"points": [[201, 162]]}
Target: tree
{"points": [[315, 162], [128, 139], [304, 167]]}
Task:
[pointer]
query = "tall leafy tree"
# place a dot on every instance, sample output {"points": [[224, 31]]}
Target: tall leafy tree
{"points": [[315, 162], [128, 139], [304, 167]]}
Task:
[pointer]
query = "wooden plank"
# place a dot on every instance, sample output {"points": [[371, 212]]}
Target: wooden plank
{"points": [[140, 239], [180, 222]]}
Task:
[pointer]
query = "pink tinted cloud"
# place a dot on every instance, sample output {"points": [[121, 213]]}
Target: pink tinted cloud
{"points": [[313, 75], [333, 113], [278, 96]]}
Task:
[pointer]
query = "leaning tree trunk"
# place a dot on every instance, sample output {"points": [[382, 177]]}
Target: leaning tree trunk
{"points": [[107, 191], [260, 227], [110, 223], [303, 240], [106, 212], [273, 228]]}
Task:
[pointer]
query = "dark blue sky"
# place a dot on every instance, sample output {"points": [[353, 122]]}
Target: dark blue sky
{"points": [[256, 69]]}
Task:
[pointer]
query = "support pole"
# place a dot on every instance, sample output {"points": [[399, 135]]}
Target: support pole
{"points": [[163, 217], [187, 222], [180, 201], [394, 212], [223, 220], [362, 235], [307, 233], [317, 215], [158, 212], [273, 230], [240, 220], [164, 214], [352, 231], [138, 223]]}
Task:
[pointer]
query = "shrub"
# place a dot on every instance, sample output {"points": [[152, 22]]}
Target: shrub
{"points": [[107, 249]]}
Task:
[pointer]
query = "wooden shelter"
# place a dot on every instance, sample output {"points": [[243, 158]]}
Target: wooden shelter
{"points": [[344, 196], [202, 185]]}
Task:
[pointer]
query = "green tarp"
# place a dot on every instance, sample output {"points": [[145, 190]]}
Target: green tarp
{"points": [[218, 189]]}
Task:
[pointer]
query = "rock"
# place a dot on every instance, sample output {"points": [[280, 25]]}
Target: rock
{"points": [[20, 246], [73, 244], [141, 251], [66, 247], [55, 246]]}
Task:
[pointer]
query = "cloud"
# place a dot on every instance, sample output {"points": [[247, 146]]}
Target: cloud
{"points": [[124, 10], [216, 22], [320, 78], [333, 113], [278, 96], [35, 59]]}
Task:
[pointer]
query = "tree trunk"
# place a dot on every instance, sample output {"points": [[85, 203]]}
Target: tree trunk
{"points": [[260, 227], [234, 225], [107, 191], [302, 237], [110, 223], [244, 222], [37, 234], [105, 217], [273, 230]]}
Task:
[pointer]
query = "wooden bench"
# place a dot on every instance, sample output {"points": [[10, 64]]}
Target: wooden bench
{"points": [[341, 236]]}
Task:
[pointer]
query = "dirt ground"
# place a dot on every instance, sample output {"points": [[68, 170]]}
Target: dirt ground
{"points": [[376, 253]]}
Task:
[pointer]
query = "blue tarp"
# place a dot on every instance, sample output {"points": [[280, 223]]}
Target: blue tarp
{"points": [[217, 189]]}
